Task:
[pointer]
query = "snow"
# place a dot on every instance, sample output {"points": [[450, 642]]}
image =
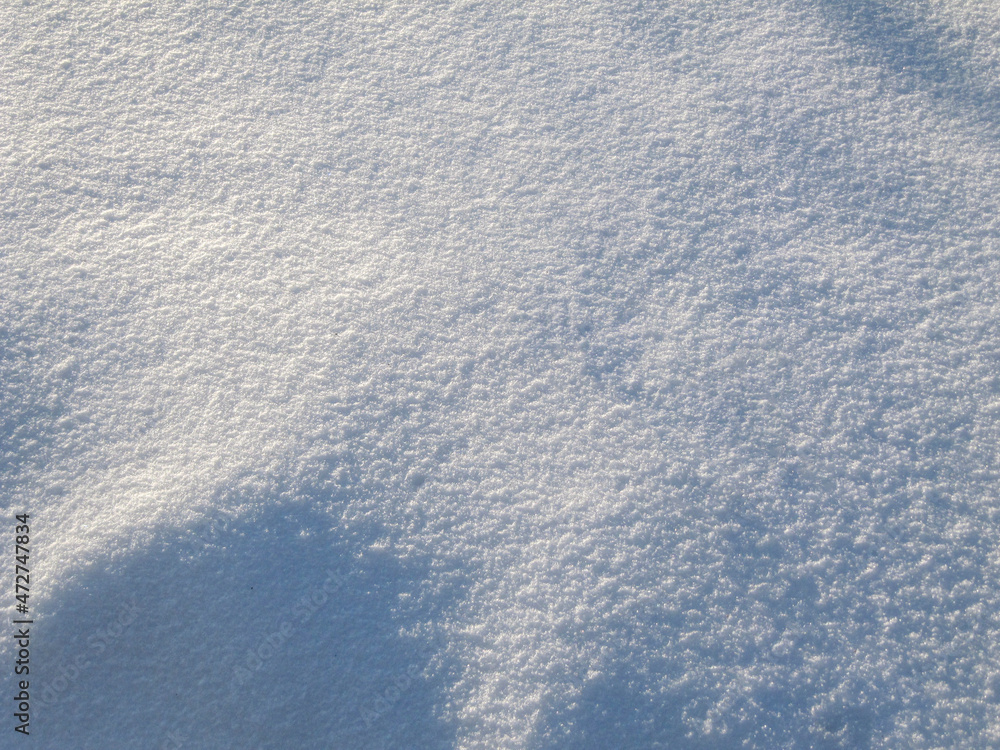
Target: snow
{"points": [[504, 375]]}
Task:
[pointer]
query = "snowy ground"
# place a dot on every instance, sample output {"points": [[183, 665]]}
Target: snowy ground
{"points": [[519, 374]]}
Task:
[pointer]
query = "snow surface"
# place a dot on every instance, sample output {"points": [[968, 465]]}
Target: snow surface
{"points": [[504, 374]]}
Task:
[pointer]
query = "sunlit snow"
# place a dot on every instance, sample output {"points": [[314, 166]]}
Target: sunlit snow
{"points": [[494, 375]]}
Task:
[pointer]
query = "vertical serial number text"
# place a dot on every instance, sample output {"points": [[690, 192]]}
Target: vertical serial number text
{"points": [[22, 624]]}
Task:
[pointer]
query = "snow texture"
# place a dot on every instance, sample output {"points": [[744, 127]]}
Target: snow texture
{"points": [[503, 374]]}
